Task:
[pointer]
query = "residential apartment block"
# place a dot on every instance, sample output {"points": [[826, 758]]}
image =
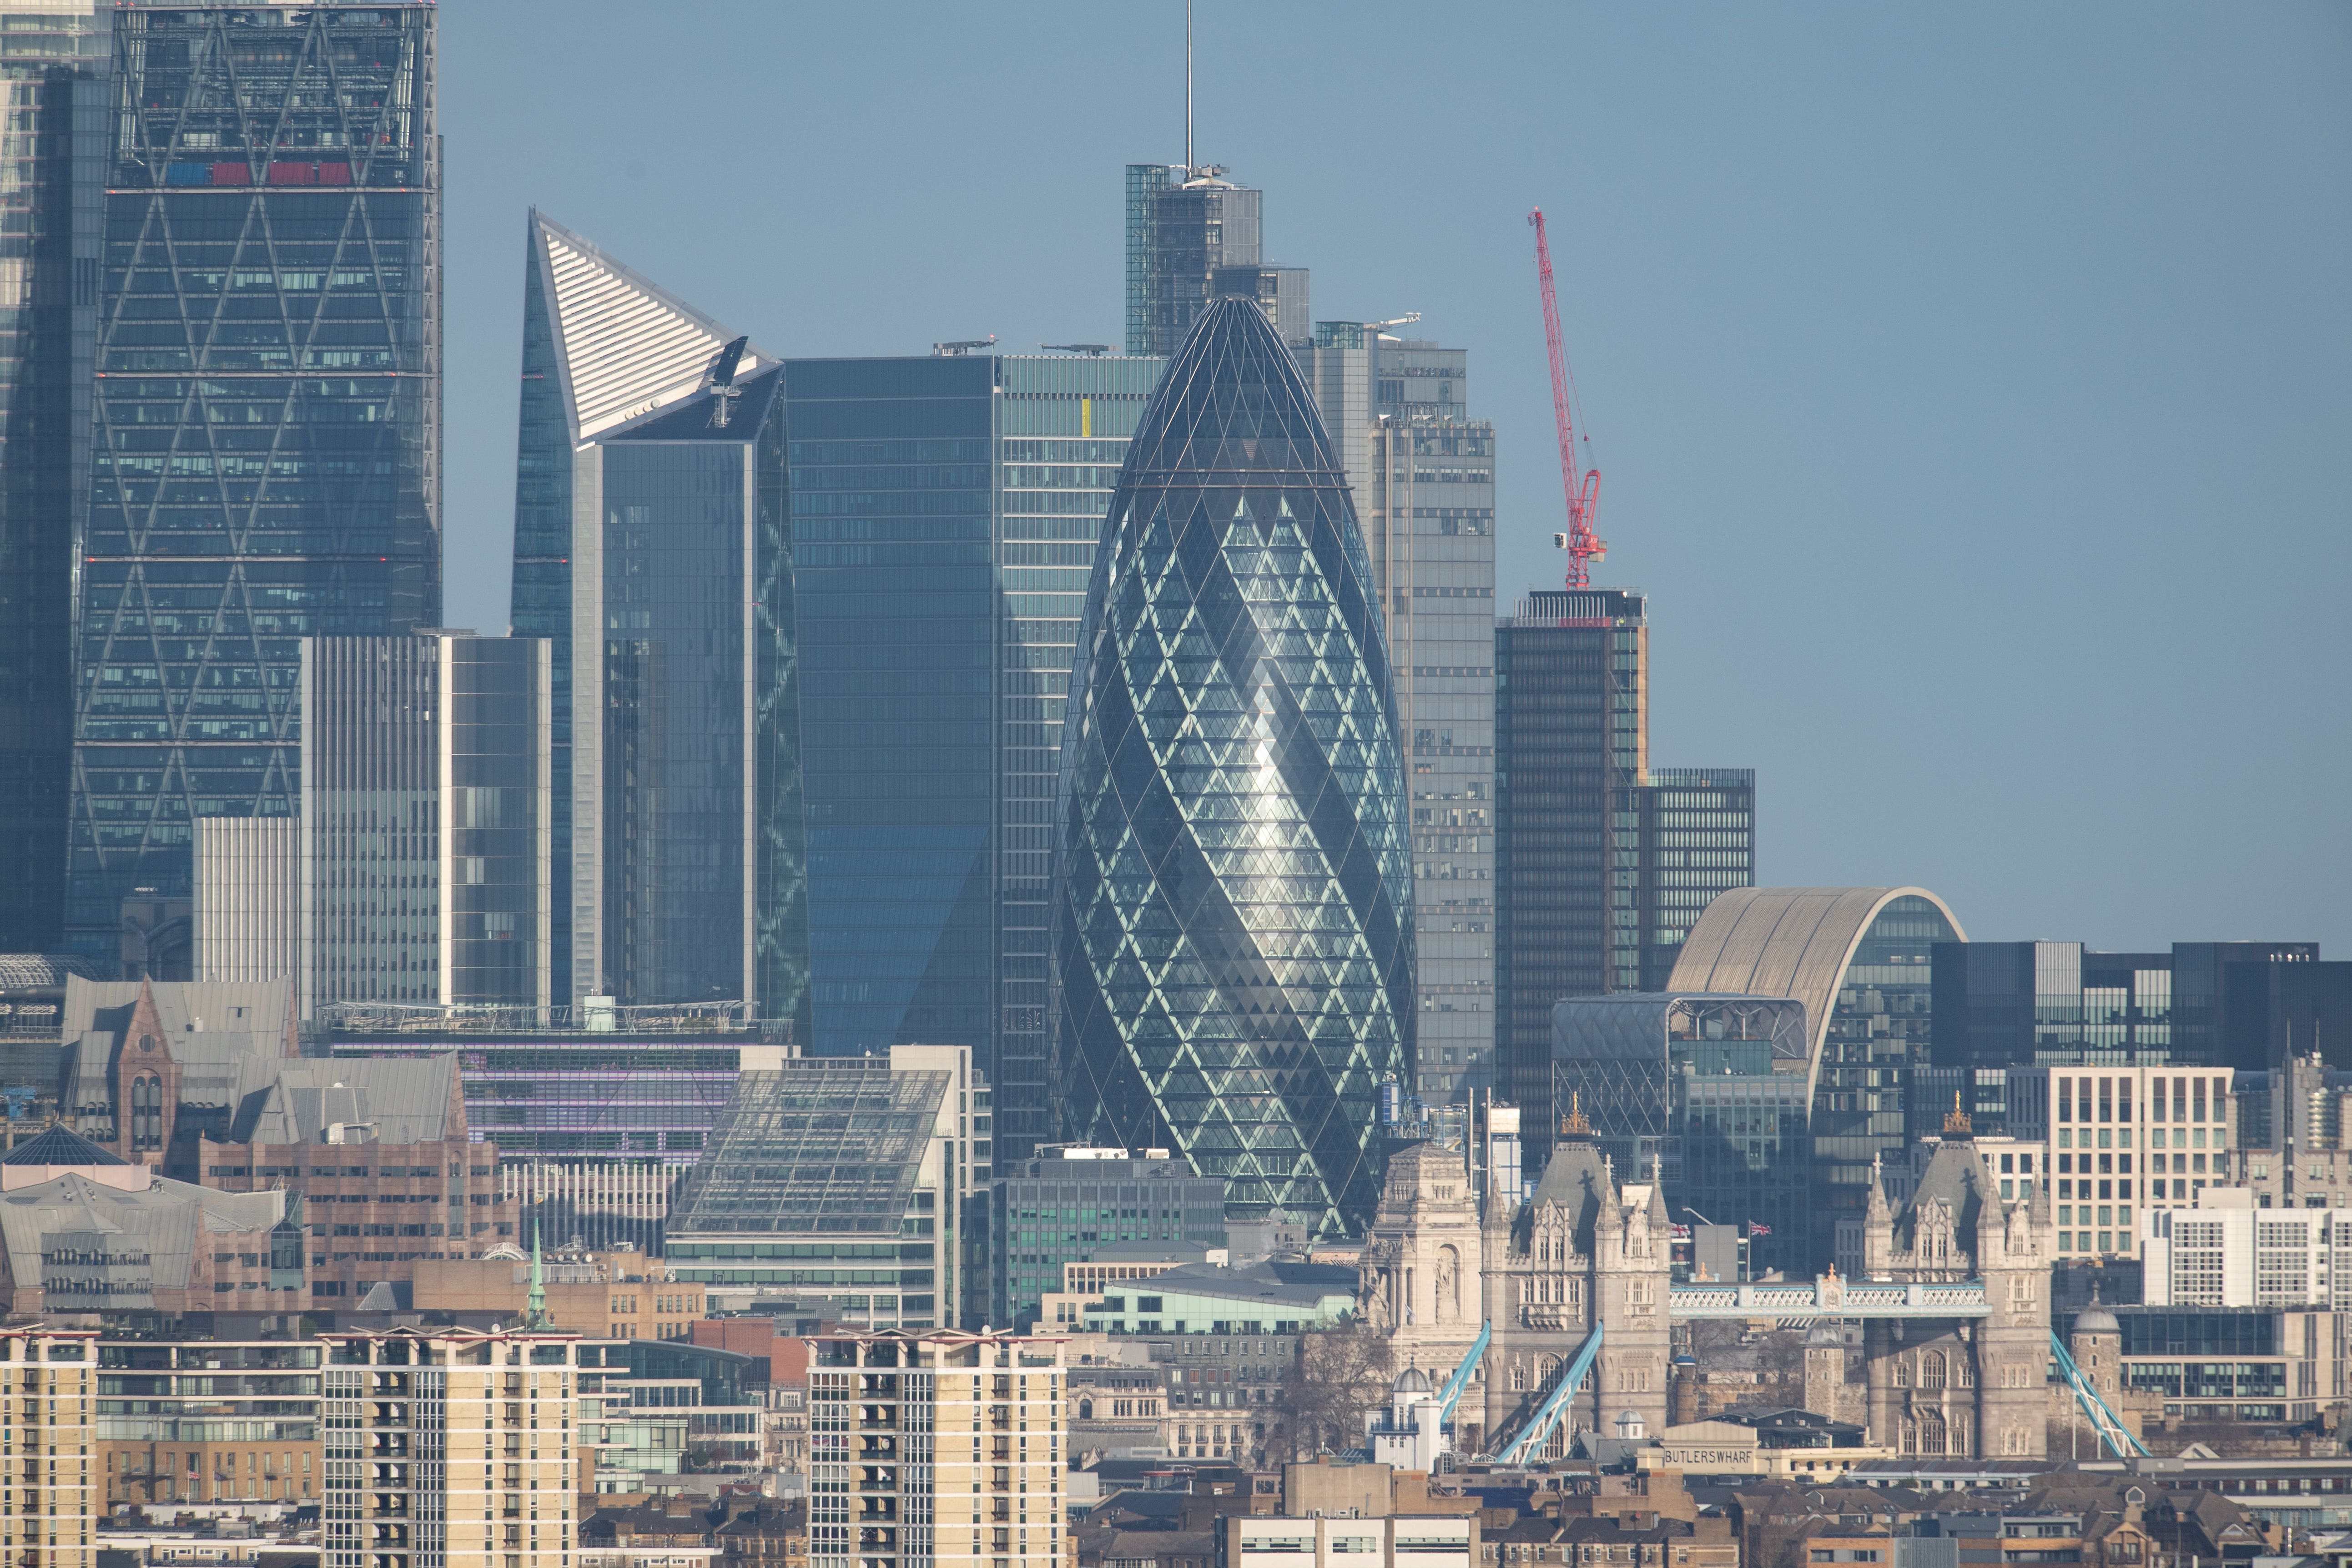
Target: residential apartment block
{"points": [[941, 1447]]}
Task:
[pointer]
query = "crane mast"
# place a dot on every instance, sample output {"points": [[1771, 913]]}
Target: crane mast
{"points": [[1582, 544]]}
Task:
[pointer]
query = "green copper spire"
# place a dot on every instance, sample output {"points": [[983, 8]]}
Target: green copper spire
{"points": [[535, 1316]]}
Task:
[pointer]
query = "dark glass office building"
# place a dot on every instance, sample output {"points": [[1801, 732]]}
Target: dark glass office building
{"points": [[1693, 838], [52, 183], [892, 488], [1707, 1095], [1184, 228], [945, 511], [2242, 1005], [1232, 911], [266, 442], [651, 510], [1572, 729]]}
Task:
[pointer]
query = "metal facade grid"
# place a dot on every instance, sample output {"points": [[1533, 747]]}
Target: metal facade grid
{"points": [[833, 1147], [266, 442], [1234, 949]]}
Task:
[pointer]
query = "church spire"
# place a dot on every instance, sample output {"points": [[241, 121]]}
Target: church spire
{"points": [[535, 1316]]}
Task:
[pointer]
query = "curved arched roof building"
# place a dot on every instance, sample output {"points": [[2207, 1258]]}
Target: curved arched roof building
{"points": [[1861, 960]]}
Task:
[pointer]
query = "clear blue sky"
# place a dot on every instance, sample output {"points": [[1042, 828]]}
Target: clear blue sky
{"points": [[1970, 382]]}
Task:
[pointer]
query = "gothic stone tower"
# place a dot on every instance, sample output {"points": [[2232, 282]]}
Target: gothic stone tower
{"points": [[1960, 1388], [1582, 1245], [1423, 1261]]}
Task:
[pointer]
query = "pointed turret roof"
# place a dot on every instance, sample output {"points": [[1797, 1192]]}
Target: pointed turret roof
{"points": [[624, 345], [60, 1145]]}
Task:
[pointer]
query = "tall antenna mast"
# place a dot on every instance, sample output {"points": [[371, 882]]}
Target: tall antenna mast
{"points": [[1188, 89]]}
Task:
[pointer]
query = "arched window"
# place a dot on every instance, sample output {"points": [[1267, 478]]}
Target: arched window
{"points": [[1086, 1409], [1931, 1370], [1902, 1372]]}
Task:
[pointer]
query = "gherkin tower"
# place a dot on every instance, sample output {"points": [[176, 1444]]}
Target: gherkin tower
{"points": [[1232, 898]]}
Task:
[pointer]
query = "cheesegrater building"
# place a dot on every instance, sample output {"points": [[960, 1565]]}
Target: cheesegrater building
{"points": [[1232, 907], [266, 452]]}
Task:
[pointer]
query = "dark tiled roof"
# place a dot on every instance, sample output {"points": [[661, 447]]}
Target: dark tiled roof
{"points": [[59, 1145]]}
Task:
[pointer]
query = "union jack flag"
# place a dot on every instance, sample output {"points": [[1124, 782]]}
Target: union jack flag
{"points": [[1755, 1229]]}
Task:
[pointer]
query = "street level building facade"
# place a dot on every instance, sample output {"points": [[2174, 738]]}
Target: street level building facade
{"points": [[653, 550], [52, 190], [266, 450], [1232, 922]]}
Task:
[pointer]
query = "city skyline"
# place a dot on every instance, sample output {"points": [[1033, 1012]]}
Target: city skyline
{"points": [[1824, 373]]}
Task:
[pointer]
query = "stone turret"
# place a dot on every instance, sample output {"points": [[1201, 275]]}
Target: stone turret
{"points": [[1966, 1388], [2097, 1347]]}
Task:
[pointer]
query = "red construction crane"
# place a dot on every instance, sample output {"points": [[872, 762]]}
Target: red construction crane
{"points": [[1583, 546]]}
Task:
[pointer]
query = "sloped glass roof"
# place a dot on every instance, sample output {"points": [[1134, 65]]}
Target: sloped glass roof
{"points": [[832, 1146]]}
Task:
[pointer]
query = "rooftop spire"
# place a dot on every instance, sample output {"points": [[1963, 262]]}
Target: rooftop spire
{"points": [[535, 1315]]}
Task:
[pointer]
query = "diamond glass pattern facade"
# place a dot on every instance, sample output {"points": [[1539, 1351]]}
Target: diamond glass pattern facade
{"points": [[1234, 952], [266, 441]]}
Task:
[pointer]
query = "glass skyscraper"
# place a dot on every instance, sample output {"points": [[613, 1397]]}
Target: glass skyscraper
{"points": [[52, 183], [1423, 474], [1232, 912], [423, 874], [266, 443], [1183, 226], [1603, 867], [1571, 729], [944, 512], [653, 548]]}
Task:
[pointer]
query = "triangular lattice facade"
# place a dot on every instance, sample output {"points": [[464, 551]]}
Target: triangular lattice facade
{"points": [[268, 416], [1234, 894]]}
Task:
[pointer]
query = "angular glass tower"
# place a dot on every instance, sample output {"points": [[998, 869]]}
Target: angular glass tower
{"points": [[52, 182], [266, 453], [652, 549], [1232, 907]]}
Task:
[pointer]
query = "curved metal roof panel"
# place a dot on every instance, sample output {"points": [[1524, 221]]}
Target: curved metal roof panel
{"points": [[1787, 941]]}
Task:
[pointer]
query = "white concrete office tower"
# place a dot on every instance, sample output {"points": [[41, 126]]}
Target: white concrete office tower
{"points": [[936, 1449], [1423, 474], [423, 874], [247, 877]]}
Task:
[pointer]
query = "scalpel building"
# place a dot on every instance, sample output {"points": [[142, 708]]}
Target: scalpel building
{"points": [[1232, 907], [652, 550]]}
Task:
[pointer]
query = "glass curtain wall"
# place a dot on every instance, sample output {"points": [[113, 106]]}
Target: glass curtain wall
{"points": [[52, 183], [267, 449], [890, 516], [1232, 919], [1063, 429]]}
